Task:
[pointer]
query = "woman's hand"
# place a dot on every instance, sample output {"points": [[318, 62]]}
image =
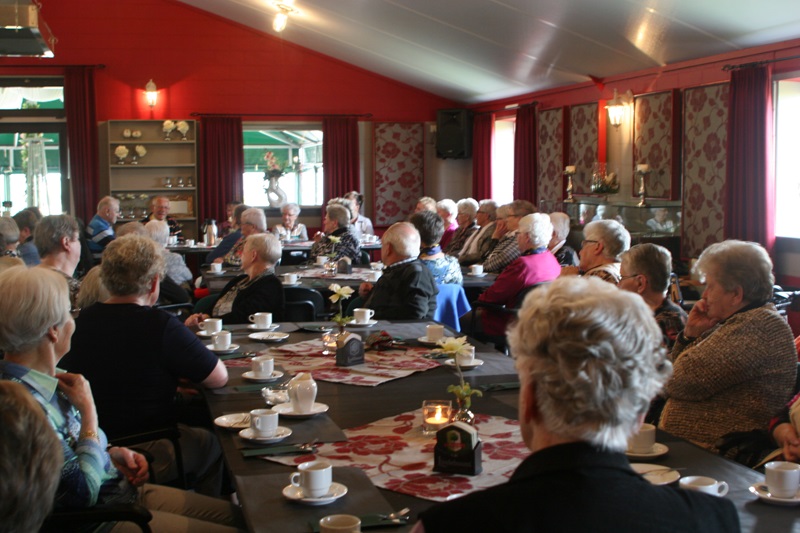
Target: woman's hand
{"points": [[130, 463], [698, 321], [364, 289], [318, 236], [78, 392], [195, 319]]}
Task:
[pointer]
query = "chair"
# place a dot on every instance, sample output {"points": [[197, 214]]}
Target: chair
{"points": [[299, 311], [364, 258], [499, 341], [172, 434], [304, 294], [451, 304], [81, 519]]}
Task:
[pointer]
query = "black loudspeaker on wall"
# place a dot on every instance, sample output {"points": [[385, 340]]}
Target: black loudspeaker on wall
{"points": [[454, 133]]}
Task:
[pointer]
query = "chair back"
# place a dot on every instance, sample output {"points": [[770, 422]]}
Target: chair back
{"points": [[451, 304], [304, 294], [299, 311]]}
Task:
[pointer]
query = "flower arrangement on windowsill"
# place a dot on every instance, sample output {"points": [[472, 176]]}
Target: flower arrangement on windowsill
{"points": [[340, 294], [274, 169], [463, 392]]}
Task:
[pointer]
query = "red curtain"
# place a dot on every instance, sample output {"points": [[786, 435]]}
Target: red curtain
{"points": [[340, 156], [750, 187], [482, 135], [525, 154], [221, 165], [84, 166]]}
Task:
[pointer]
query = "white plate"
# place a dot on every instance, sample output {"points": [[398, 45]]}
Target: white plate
{"points": [[475, 364], [269, 336], [221, 272], [235, 421], [295, 494], [292, 284], [760, 490], [273, 327], [424, 340], [658, 451], [285, 410], [477, 275], [659, 478], [276, 374], [280, 434], [367, 324], [230, 349]]}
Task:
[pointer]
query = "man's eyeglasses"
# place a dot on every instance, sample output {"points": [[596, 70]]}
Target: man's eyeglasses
{"points": [[588, 241], [623, 278]]}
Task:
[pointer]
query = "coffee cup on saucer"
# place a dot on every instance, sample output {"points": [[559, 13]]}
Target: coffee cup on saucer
{"points": [[263, 366], [434, 332], [290, 279], [466, 357], [261, 320], [363, 315], [222, 340], [314, 478], [189, 242], [782, 478], [476, 270], [210, 325], [709, 485], [264, 422], [644, 441], [215, 268], [340, 523]]}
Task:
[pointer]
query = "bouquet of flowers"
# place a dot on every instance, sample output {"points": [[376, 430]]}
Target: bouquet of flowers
{"points": [[274, 168], [141, 151]]}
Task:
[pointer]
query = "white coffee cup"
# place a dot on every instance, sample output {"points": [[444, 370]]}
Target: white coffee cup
{"points": [[222, 340], [782, 478], [374, 276], [173, 239], [434, 332], [476, 270], [262, 320], [313, 478], [189, 242], [215, 267], [263, 365], [340, 523], [211, 325], [376, 266], [322, 259], [467, 356], [362, 315], [290, 279], [643, 441], [264, 422], [705, 484]]}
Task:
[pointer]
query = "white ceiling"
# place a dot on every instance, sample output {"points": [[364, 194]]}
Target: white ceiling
{"points": [[474, 51]]}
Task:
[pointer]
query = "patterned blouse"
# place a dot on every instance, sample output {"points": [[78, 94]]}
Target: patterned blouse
{"points": [[445, 269], [234, 257], [298, 232], [347, 246]]}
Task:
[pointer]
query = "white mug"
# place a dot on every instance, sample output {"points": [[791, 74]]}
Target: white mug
{"points": [[313, 478], [189, 242], [434, 332], [644, 440], [363, 315], [374, 276], [263, 365], [222, 340], [290, 279], [215, 267], [476, 270], [262, 320], [264, 422], [466, 356], [340, 523], [173, 239], [705, 484], [211, 325], [322, 259], [782, 478]]}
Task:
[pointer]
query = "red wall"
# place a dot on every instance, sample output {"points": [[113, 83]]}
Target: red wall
{"points": [[206, 64]]}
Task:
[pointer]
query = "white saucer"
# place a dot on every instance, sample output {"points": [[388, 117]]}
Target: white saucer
{"points": [[317, 328], [269, 336], [295, 494], [477, 275], [212, 273], [657, 451], [285, 410], [665, 477], [276, 374], [272, 327], [204, 333], [295, 284], [424, 340], [760, 490], [235, 421], [230, 349], [367, 324], [280, 434], [475, 364]]}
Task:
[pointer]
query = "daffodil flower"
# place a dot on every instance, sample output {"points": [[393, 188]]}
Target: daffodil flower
{"points": [[334, 240], [340, 293]]}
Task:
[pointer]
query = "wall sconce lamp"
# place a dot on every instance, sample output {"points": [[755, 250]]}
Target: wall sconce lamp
{"points": [[616, 107], [151, 93], [285, 8]]}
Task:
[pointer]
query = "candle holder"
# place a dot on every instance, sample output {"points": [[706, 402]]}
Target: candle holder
{"points": [[435, 415], [329, 343], [642, 187], [569, 172]]}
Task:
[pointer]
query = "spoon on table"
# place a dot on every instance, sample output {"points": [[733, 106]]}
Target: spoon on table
{"points": [[397, 515]]}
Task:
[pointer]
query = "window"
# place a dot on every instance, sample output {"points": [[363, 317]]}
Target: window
{"points": [[293, 153], [503, 160], [787, 139]]}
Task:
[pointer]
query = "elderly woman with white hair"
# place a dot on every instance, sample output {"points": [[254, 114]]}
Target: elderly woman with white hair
{"points": [[177, 271], [467, 225], [448, 210], [337, 240], [558, 246], [589, 359], [604, 241], [289, 228], [254, 221], [535, 265], [735, 361]]}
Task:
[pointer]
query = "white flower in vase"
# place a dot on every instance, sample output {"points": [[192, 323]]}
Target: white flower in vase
{"points": [[121, 152], [169, 127], [141, 151], [183, 128]]}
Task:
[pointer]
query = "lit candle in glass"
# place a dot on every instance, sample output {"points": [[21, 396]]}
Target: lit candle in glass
{"points": [[435, 415], [328, 344]]}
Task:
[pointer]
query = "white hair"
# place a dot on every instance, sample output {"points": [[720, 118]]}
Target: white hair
{"points": [[612, 234], [158, 230], [734, 263], [447, 205], [267, 246], [256, 217], [468, 206], [561, 225], [538, 227]]}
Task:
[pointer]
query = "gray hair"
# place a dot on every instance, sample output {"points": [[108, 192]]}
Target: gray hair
{"points": [[129, 265], [428, 202], [338, 213], [158, 230], [447, 205], [742, 264], [134, 227], [561, 225], [522, 208], [594, 356], [612, 234], [267, 246], [26, 219], [538, 227], [503, 211], [34, 300], [51, 229], [256, 217], [404, 239], [292, 208], [9, 231], [651, 261], [429, 225], [92, 289], [107, 201], [468, 206], [489, 207], [237, 213]]}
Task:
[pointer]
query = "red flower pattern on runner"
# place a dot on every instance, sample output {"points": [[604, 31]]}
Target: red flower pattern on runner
{"points": [[430, 486], [371, 445]]}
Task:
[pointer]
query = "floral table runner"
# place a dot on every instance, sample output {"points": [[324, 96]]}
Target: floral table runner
{"points": [[357, 273], [396, 456]]}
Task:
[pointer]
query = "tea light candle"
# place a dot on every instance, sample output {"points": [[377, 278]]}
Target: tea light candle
{"points": [[642, 168], [328, 344], [435, 415], [570, 169]]}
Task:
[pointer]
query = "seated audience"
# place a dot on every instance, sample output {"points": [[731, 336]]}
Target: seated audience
{"points": [[445, 268], [535, 265], [504, 247], [558, 246], [336, 240], [256, 290], [9, 237], [447, 209], [604, 241], [254, 221], [160, 211], [100, 230], [361, 224], [232, 237], [426, 203], [289, 229], [30, 461], [229, 225], [406, 290], [35, 332], [134, 355], [589, 359], [660, 222], [735, 362], [467, 225], [26, 222], [478, 245], [645, 270], [57, 237], [176, 268]]}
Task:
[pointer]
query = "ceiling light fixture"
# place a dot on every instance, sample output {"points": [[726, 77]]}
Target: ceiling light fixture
{"points": [[151, 93], [285, 8], [616, 107]]}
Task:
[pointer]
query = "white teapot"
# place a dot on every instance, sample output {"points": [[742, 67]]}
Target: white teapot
{"points": [[302, 393]]}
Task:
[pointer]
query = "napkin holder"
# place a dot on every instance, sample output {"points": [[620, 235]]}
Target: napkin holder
{"points": [[457, 450], [349, 350], [344, 266]]}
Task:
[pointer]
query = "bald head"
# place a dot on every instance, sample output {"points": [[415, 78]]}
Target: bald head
{"points": [[401, 241]]}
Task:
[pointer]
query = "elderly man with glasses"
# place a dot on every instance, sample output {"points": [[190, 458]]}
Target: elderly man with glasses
{"points": [[603, 244], [504, 239], [160, 211]]}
